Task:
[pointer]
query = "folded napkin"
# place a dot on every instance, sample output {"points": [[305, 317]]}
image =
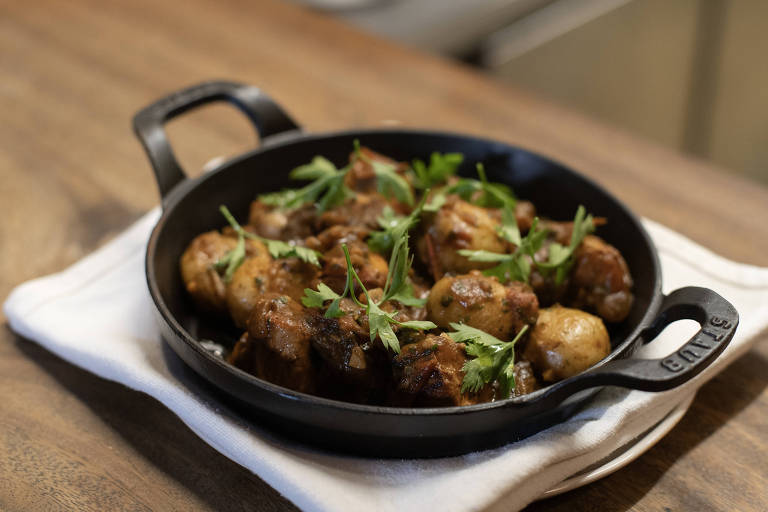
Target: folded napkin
{"points": [[98, 315]]}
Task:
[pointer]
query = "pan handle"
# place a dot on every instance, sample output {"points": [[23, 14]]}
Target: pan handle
{"points": [[718, 320], [266, 116]]}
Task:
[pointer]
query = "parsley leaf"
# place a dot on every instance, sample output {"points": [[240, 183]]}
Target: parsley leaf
{"points": [[517, 265], [493, 359], [388, 182], [478, 192], [561, 258], [441, 166], [382, 241], [327, 189], [277, 249], [397, 287]]}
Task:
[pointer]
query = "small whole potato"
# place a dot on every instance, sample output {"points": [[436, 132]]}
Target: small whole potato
{"points": [[483, 303], [458, 225], [565, 342]]}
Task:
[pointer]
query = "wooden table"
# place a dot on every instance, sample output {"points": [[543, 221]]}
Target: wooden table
{"points": [[72, 176]]}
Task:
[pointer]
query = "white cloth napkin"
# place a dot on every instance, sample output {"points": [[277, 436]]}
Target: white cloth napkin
{"points": [[98, 315]]}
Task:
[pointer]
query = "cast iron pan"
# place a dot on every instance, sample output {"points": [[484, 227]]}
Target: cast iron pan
{"points": [[190, 207]]}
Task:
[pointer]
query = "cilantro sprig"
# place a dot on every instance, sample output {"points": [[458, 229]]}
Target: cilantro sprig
{"points": [[560, 258], [478, 192], [440, 168], [397, 287], [388, 182], [327, 188], [517, 265], [230, 262], [493, 359]]}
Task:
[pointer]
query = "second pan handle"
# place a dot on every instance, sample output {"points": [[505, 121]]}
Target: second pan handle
{"points": [[267, 117]]}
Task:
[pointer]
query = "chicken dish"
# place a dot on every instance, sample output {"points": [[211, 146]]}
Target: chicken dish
{"points": [[403, 284]]}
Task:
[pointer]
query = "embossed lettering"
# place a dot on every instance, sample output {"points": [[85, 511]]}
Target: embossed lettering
{"points": [[672, 365], [698, 342], [689, 354], [720, 322], [716, 337]]}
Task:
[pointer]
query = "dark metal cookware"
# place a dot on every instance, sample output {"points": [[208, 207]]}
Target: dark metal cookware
{"points": [[190, 206]]}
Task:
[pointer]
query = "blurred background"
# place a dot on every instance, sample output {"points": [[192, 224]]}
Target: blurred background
{"points": [[690, 74]]}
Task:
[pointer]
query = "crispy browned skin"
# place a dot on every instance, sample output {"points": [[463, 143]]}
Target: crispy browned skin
{"points": [[600, 280], [361, 177], [363, 211], [370, 266], [484, 303], [278, 224], [458, 225], [428, 374], [277, 345], [248, 283]]}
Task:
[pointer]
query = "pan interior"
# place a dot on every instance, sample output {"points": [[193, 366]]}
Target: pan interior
{"points": [[555, 190]]}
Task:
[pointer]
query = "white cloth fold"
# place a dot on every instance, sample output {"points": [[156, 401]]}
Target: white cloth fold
{"points": [[97, 314]]}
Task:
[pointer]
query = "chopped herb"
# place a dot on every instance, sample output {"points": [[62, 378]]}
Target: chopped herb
{"points": [[327, 188], [517, 265], [441, 167], [493, 359], [478, 192], [393, 227], [561, 258], [397, 287], [230, 262], [388, 182]]}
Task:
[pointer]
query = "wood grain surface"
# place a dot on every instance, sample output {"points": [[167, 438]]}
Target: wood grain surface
{"points": [[72, 176]]}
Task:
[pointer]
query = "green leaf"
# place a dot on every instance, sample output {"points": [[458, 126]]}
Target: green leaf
{"points": [[389, 183], [327, 189], [485, 256], [405, 297], [441, 166], [420, 325], [560, 258], [382, 241], [508, 229], [232, 260], [316, 298], [380, 323], [493, 359], [280, 249], [319, 167]]}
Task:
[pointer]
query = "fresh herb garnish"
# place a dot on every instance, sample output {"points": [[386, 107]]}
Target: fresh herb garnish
{"points": [[494, 360], [478, 192], [517, 265], [327, 188], [397, 287], [393, 227], [560, 258], [388, 182], [441, 166], [276, 248]]}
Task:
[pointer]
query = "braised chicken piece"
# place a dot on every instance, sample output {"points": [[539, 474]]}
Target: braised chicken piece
{"points": [[565, 342], [482, 302], [248, 283], [600, 280], [363, 210], [277, 345], [278, 224], [290, 276], [458, 225], [428, 374], [525, 379], [370, 266], [353, 366]]}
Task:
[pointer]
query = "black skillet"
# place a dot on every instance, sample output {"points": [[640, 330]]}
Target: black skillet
{"points": [[190, 207]]}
